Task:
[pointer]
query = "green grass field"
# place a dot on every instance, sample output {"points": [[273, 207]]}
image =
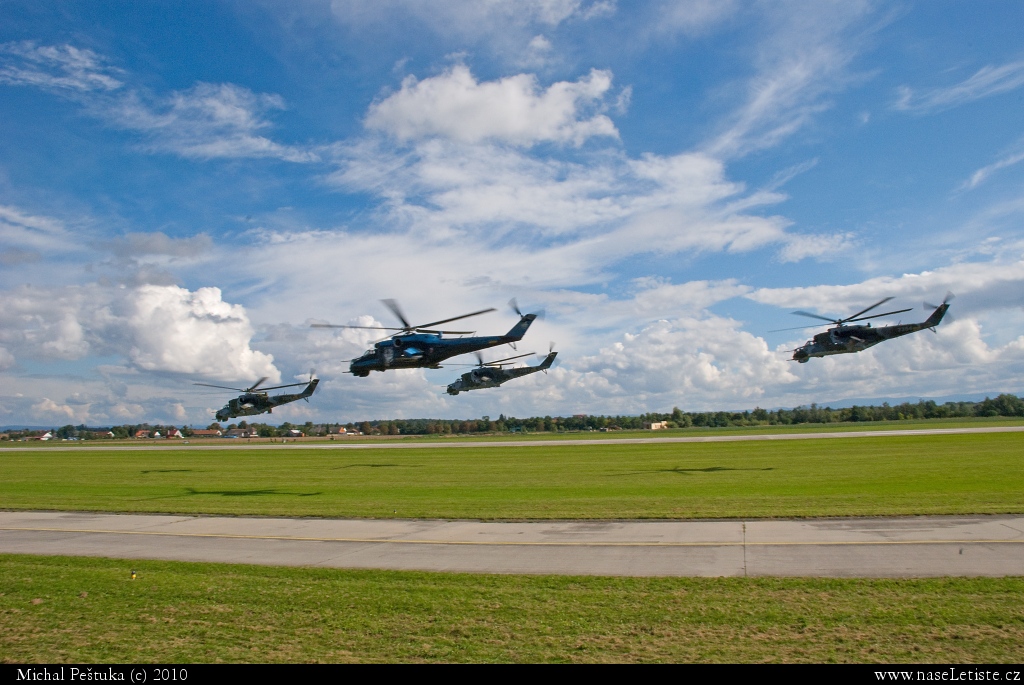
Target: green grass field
{"points": [[954, 474], [60, 610]]}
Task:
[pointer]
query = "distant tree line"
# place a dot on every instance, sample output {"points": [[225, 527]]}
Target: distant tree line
{"points": [[1003, 405]]}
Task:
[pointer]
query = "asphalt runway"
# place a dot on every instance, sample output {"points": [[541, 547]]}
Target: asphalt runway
{"points": [[843, 547], [387, 444]]}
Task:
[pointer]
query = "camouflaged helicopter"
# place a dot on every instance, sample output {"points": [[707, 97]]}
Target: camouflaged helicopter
{"points": [[251, 402], [492, 374], [422, 346], [843, 339]]}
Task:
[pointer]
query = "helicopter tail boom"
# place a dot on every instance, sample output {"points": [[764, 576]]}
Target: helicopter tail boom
{"points": [[519, 330], [310, 389], [936, 316]]}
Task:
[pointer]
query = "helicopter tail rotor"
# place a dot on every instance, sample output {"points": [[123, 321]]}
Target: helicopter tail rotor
{"points": [[946, 300], [540, 314], [939, 313], [549, 359]]}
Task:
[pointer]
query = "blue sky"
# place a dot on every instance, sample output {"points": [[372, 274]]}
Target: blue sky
{"points": [[185, 187]]}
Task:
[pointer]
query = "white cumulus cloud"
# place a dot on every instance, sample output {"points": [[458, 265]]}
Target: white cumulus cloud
{"points": [[514, 109], [153, 327], [176, 330]]}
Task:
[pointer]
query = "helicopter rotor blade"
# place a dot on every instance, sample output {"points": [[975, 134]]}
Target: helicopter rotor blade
{"points": [[222, 387], [816, 316], [864, 311], [256, 385], [427, 330], [372, 328], [798, 328], [278, 387], [875, 316], [454, 318], [479, 358], [515, 307], [397, 311], [506, 359]]}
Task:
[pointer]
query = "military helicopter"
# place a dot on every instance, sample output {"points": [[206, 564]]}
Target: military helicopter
{"points": [[843, 338], [422, 346], [492, 374], [251, 402]]}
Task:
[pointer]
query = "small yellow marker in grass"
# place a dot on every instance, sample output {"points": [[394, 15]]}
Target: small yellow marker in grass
{"points": [[133, 574]]}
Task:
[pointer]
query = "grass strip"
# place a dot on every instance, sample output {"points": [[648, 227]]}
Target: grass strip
{"points": [[63, 609], [898, 475]]}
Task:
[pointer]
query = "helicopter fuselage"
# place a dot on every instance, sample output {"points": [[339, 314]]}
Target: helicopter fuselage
{"points": [[491, 377], [428, 350], [251, 403]]}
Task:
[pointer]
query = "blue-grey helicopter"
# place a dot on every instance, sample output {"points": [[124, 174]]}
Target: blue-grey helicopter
{"points": [[423, 346], [843, 338], [252, 402], [493, 374]]}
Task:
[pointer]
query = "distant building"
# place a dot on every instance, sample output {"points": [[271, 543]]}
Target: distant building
{"points": [[656, 425], [206, 433], [141, 434]]}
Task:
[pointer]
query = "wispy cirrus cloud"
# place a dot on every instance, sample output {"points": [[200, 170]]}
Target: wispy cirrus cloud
{"points": [[465, 16], [157, 243], [592, 213], [804, 57], [987, 81], [34, 234], [982, 174], [207, 121], [57, 67]]}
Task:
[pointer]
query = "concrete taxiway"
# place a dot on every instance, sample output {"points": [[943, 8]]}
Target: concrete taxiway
{"points": [[843, 547]]}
